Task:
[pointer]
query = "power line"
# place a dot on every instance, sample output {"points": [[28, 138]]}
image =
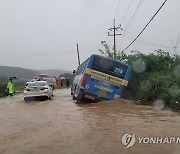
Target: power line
{"points": [[30, 55], [145, 26], [146, 41], [37, 54], [117, 9], [126, 12], [150, 43], [134, 14]]}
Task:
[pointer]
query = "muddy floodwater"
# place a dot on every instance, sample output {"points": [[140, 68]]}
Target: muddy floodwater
{"points": [[60, 126]]}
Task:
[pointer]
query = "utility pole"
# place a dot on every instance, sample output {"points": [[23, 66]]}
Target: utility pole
{"points": [[175, 46], [114, 29], [78, 54]]}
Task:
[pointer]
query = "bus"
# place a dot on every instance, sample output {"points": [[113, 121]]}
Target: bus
{"points": [[100, 77]]}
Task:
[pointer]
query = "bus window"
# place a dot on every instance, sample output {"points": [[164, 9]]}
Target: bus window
{"points": [[82, 67], [110, 67]]}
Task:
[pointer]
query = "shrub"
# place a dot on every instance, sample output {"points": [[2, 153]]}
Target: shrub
{"points": [[2, 90], [155, 77]]}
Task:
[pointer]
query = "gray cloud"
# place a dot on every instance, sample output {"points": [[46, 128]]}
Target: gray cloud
{"points": [[43, 34]]}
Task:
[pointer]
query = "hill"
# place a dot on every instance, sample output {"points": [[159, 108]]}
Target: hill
{"points": [[26, 74], [18, 72], [54, 72]]}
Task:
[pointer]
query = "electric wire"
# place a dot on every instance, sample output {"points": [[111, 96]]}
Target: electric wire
{"points": [[146, 41], [30, 55], [126, 12], [150, 43], [134, 14], [146, 26], [117, 9]]}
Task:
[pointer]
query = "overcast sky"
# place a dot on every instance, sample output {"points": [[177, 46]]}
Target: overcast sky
{"points": [[42, 34]]}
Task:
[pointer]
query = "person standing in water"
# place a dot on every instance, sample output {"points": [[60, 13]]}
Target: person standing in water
{"points": [[67, 83], [10, 87]]}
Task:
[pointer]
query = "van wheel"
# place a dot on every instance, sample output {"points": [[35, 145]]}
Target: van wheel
{"points": [[50, 98], [74, 98], [25, 100], [71, 92]]}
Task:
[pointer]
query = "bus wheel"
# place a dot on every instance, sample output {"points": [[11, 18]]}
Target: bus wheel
{"points": [[78, 94]]}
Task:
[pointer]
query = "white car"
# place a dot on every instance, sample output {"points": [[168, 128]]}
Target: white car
{"points": [[36, 89], [34, 80], [43, 77]]}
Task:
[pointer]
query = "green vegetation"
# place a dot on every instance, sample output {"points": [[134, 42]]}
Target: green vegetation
{"points": [[3, 82], [153, 77], [18, 84]]}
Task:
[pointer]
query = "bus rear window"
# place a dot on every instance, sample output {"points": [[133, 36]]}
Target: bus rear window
{"points": [[109, 66]]}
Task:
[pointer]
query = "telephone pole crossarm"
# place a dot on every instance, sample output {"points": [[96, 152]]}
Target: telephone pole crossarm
{"points": [[114, 29]]}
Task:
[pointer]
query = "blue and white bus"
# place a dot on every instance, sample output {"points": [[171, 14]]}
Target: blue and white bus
{"points": [[100, 77]]}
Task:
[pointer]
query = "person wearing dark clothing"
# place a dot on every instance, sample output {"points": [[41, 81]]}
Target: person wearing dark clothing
{"points": [[67, 83], [61, 83]]}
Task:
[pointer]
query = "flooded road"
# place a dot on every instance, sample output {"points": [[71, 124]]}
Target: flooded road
{"points": [[61, 126]]}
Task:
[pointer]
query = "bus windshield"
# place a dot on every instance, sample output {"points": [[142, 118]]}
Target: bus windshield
{"points": [[109, 66]]}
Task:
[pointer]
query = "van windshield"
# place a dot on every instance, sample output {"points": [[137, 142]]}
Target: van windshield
{"points": [[109, 66]]}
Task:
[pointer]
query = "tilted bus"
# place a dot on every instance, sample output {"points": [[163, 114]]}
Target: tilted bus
{"points": [[100, 77]]}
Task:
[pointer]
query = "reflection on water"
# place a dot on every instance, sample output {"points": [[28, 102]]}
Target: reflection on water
{"points": [[62, 126]]}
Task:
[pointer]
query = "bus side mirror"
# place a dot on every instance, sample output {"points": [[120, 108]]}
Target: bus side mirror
{"points": [[74, 71]]}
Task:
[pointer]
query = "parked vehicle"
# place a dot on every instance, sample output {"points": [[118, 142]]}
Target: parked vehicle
{"points": [[38, 89], [52, 80], [100, 77], [49, 78], [33, 80]]}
